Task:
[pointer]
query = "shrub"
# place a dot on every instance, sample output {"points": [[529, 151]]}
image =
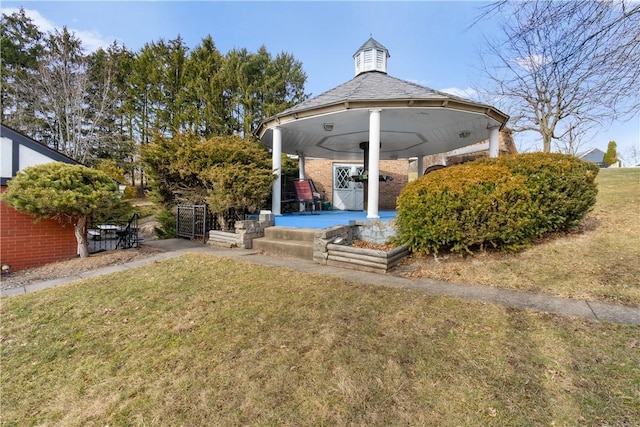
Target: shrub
{"points": [[130, 192], [463, 207], [504, 203], [167, 220], [562, 186], [58, 190]]}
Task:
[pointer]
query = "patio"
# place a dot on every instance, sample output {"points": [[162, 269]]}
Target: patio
{"points": [[325, 219]]}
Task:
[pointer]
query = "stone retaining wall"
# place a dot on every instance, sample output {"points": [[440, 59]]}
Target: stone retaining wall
{"points": [[372, 260], [245, 232]]}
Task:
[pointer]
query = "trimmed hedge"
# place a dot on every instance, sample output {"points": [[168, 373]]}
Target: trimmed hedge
{"points": [[562, 186], [504, 203]]}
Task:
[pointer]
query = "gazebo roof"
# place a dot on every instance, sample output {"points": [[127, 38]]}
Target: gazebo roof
{"points": [[372, 86], [415, 120]]}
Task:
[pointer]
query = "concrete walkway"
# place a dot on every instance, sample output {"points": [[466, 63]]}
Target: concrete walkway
{"points": [[539, 302]]}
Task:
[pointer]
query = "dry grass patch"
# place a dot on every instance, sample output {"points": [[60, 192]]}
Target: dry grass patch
{"points": [[599, 262], [199, 340]]}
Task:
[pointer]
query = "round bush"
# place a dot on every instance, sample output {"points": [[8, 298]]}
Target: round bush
{"points": [[562, 186], [504, 202], [463, 207]]}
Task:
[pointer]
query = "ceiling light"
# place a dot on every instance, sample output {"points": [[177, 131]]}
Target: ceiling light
{"points": [[464, 134], [328, 127]]}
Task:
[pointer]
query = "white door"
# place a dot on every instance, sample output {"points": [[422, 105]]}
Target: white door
{"points": [[347, 194]]}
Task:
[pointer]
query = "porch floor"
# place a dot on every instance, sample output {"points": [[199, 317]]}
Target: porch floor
{"points": [[325, 219]]}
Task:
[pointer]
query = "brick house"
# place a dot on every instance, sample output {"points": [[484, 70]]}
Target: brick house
{"points": [[25, 243]]}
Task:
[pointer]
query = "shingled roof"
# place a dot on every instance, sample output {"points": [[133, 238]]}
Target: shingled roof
{"points": [[372, 86], [372, 44]]}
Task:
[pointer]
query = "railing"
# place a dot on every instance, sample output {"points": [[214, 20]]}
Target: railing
{"points": [[109, 235]]}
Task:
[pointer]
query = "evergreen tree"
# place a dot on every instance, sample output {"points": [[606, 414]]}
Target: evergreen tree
{"points": [[611, 156], [57, 190], [207, 106], [21, 45]]}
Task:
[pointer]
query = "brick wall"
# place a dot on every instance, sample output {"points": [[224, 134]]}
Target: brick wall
{"points": [[321, 172], [25, 244]]}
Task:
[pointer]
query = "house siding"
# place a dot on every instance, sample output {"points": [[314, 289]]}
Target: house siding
{"points": [[26, 244]]}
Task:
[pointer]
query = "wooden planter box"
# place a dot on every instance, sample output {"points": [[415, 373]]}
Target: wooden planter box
{"points": [[372, 260]]}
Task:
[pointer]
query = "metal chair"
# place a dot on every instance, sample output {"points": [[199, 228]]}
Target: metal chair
{"points": [[306, 194]]}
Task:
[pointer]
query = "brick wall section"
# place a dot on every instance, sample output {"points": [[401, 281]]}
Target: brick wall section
{"points": [[25, 244], [321, 172]]}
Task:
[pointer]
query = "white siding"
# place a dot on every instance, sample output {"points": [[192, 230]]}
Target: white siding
{"points": [[6, 165], [28, 157]]}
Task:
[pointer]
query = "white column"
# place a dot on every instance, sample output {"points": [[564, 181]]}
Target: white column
{"points": [[420, 166], [276, 167], [301, 174], [374, 164], [494, 143]]}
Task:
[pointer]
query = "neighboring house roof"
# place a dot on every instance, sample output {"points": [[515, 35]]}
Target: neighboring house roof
{"points": [[594, 155], [18, 152]]}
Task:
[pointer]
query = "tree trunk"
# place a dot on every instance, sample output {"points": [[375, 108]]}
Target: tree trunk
{"points": [[546, 140], [81, 236]]}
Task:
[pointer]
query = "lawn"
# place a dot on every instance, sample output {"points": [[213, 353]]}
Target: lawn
{"points": [[206, 341], [599, 262]]}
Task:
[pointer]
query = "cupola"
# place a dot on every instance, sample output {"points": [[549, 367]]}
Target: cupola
{"points": [[371, 56]]}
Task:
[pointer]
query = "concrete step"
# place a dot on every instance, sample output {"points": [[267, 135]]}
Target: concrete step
{"points": [[290, 233], [294, 248]]}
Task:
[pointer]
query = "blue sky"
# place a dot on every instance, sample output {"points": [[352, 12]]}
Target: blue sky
{"points": [[430, 42]]}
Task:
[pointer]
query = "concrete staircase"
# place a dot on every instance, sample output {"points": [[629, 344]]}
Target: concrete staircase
{"points": [[287, 241]]}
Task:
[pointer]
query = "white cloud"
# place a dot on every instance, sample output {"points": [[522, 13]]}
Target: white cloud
{"points": [[91, 40], [40, 21], [532, 62], [468, 93]]}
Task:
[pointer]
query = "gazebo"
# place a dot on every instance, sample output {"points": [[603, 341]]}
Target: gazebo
{"points": [[377, 117]]}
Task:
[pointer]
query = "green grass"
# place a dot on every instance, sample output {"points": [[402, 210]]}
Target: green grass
{"points": [[602, 262], [200, 340]]}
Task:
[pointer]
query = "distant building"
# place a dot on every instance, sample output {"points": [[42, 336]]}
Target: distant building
{"points": [[594, 155]]}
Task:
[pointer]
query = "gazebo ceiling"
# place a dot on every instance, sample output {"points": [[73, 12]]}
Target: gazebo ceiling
{"points": [[414, 120]]}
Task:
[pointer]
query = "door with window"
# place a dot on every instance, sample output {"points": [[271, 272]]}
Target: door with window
{"points": [[348, 195]]}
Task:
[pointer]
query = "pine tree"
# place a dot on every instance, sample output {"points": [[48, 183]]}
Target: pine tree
{"points": [[611, 156], [57, 190], [21, 45]]}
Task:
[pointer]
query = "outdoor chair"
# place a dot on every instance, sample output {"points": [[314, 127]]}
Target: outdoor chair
{"points": [[307, 195], [128, 236]]}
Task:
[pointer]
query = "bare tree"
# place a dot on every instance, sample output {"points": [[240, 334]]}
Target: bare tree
{"points": [[561, 68], [575, 137], [632, 155], [62, 97]]}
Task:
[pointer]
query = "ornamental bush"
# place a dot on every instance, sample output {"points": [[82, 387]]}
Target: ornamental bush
{"points": [[464, 207], [226, 172], [503, 203], [57, 190], [562, 187]]}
